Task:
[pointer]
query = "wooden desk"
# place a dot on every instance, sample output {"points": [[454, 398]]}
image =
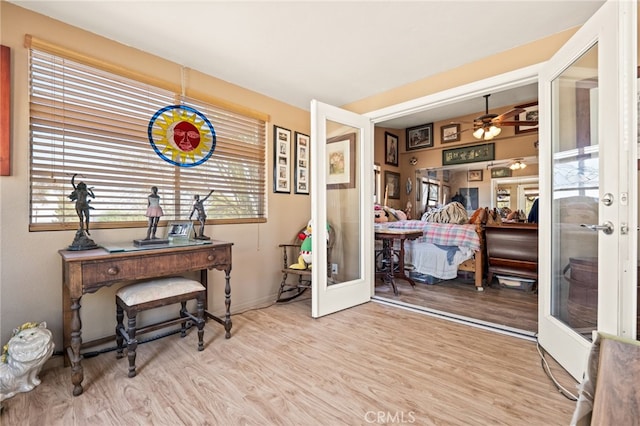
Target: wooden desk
{"points": [[90, 270], [388, 236]]}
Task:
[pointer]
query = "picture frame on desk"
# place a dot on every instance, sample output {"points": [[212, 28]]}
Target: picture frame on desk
{"points": [[179, 230]]}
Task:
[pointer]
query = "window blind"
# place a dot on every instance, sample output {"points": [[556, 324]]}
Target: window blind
{"points": [[93, 123]]}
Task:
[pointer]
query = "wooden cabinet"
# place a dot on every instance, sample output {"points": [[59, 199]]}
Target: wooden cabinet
{"points": [[512, 249]]}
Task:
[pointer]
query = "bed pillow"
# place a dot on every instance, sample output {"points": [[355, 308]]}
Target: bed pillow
{"points": [[453, 212]]}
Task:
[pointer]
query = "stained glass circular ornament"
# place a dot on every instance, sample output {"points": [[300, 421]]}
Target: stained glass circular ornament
{"points": [[181, 135]]}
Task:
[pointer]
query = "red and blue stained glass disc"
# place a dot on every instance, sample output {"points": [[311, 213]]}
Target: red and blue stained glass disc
{"points": [[182, 136]]}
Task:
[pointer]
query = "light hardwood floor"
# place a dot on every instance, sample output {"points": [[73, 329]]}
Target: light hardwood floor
{"points": [[372, 364], [507, 307]]}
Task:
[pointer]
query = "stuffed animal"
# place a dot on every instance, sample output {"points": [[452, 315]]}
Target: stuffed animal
{"points": [[379, 214], [304, 260]]}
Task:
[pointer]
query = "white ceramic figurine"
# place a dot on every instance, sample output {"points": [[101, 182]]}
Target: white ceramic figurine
{"points": [[23, 357]]}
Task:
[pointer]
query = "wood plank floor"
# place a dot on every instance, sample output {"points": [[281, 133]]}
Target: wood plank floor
{"points": [[504, 306], [372, 364]]}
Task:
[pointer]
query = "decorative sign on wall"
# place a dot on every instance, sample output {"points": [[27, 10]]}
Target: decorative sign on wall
{"points": [[468, 154], [181, 135]]}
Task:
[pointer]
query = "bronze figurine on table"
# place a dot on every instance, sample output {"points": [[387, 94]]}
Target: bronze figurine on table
{"points": [[81, 194], [198, 207]]}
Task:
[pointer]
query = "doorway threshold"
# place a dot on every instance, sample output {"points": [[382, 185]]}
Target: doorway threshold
{"points": [[460, 319]]}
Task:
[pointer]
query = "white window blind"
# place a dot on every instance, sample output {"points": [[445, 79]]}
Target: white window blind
{"points": [[93, 123]]}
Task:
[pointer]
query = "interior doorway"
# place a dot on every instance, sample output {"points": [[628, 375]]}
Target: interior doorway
{"points": [[457, 298]]}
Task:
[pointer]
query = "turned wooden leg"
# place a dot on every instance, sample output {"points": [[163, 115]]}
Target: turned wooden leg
{"points": [[200, 308], [77, 373], [132, 345], [119, 330], [183, 314], [227, 303]]}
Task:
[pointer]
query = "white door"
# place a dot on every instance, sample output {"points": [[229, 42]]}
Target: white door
{"points": [[588, 220], [342, 201]]}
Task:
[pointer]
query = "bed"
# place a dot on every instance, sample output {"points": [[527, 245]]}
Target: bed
{"points": [[444, 249]]}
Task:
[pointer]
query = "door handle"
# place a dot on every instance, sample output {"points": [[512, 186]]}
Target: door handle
{"points": [[606, 227]]}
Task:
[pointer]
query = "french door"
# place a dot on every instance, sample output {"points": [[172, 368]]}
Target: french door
{"points": [[341, 207], [588, 182]]}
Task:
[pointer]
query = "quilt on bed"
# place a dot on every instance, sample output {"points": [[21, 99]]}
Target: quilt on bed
{"points": [[441, 249]]}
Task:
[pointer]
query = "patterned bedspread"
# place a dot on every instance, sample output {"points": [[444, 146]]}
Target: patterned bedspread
{"points": [[444, 234]]}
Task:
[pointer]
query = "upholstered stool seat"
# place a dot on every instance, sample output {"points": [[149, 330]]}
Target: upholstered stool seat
{"points": [[152, 294]]}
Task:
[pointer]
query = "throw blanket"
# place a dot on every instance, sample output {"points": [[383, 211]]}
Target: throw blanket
{"points": [[444, 234], [453, 212]]}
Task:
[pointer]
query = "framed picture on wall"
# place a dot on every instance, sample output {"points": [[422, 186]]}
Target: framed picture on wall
{"points": [[530, 114], [341, 162], [450, 133], [392, 185], [470, 198], [474, 175], [281, 159], [391, 149], [419, 137], [302, 163]]}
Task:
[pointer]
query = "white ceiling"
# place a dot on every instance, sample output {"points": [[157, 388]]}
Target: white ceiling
{"points": [[335, 51]]}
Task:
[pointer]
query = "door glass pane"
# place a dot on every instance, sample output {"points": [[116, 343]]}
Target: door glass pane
{"points": [[575, 189], [343, 207]]}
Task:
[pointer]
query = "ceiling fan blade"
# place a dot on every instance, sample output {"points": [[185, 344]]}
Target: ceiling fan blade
{"points": [[519, 123], [509, 114]]}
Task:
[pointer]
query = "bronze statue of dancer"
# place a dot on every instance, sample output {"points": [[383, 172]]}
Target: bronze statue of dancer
{"points": [[202, 215], [154, 212], [81, 196]]}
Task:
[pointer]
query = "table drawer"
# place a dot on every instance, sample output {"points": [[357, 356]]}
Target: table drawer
{"points": [[147, 265]]}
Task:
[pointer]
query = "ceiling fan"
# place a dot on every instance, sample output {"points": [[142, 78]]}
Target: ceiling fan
{"points": [[488, 126]]}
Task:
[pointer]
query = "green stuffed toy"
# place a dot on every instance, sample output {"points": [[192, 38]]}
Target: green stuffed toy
{"points": [[304, 260]]}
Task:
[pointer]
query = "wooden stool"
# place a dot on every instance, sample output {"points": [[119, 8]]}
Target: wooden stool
{"points": [[151, 294]]}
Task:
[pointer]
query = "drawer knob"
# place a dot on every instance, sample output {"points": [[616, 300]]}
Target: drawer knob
{"points": [[210, 257], [113, 270]]}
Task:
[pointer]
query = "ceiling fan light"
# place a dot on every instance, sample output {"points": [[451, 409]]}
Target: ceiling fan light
{"points": [[495, 130], [517, 165], [488, 135], [478, 133]]}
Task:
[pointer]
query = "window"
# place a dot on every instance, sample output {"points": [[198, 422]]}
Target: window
{"points": [[91, 122]]}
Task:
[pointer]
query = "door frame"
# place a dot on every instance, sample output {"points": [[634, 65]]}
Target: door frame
{"points": [[465, 92]]}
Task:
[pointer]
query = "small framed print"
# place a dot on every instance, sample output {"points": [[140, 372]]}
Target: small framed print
{"points": [[500, 172], [281, 160], [341, 162], [419, 137], [391, 149], [391, 185], [179, 230], [530, 116], [301, 180], [450, 133], [474, 175]]}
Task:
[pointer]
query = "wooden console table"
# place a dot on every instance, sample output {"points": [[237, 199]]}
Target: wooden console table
{"points": [[89, 270], [388, 236]]}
